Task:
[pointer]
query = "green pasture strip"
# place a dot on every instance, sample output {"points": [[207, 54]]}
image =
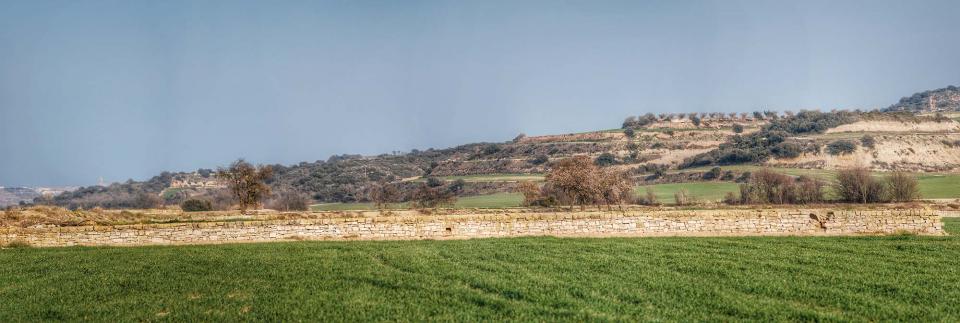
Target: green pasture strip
{"points": [[895, 278]]}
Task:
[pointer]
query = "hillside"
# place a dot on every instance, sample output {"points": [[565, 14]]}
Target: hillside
{"points": [[945, 99], [645, 146], [15, 195]]}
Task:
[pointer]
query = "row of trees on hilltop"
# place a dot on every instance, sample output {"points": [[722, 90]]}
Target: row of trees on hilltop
{"points": [[696, 117]]}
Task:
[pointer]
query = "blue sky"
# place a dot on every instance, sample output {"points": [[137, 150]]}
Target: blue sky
{"points": [[126, 89]]}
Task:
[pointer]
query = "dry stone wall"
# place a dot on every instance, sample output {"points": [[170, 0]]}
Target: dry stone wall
{"points": [[563, 224]]}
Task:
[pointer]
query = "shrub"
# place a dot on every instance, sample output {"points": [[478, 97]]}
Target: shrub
{"points": [[714, 173], [605, 159], [683, 197], [434, 182], [629, 133], [17, 244], [289, 201], [769, 187], [222, 200], [857, 185], [578, 181], [786, 150], [903, 187], [737, 128], [695, 120], [648, 198], [196, 205], [808, 190], [841, 147], [146, 200], [539, 160], [382, 194], [731, 198], [456, 187], [868, 141], [491, 149], [426, 196]]}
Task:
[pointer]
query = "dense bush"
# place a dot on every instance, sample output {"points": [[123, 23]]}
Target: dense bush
{"points": [[606, 159], [196, 205], [868, 141], [713, 174], [579, 181], [841, 147], [426, 196], [786, 150], [737, 128], [629, 133], [769, 187], [434, 182]]}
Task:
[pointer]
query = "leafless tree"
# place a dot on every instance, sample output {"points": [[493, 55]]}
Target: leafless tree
{"points": [[246, 182]]}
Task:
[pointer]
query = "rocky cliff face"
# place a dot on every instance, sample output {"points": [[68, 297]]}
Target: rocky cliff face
{"points": [[945, 99]]}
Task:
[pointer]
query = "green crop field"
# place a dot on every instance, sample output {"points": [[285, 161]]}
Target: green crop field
{"points": [[704, 191], [897, 278], [932, 185]]}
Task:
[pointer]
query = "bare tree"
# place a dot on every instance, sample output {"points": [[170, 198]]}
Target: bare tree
{"points": [[382, 194], [858, 185], [426, 196], [246, 182], [574, 179], [903, 187], [289, 200]]}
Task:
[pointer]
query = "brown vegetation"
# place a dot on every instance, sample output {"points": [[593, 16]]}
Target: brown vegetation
{"points": [[246, 182], [579, 181], [769, 187], [289, 200]]}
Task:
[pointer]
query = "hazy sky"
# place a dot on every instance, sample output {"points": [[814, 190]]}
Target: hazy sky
{"points": [[126, 89]]}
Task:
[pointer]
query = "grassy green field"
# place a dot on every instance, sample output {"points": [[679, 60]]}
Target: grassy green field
{"points": [[704, 191], [897, 278], [932, 185], [712, 191]]}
